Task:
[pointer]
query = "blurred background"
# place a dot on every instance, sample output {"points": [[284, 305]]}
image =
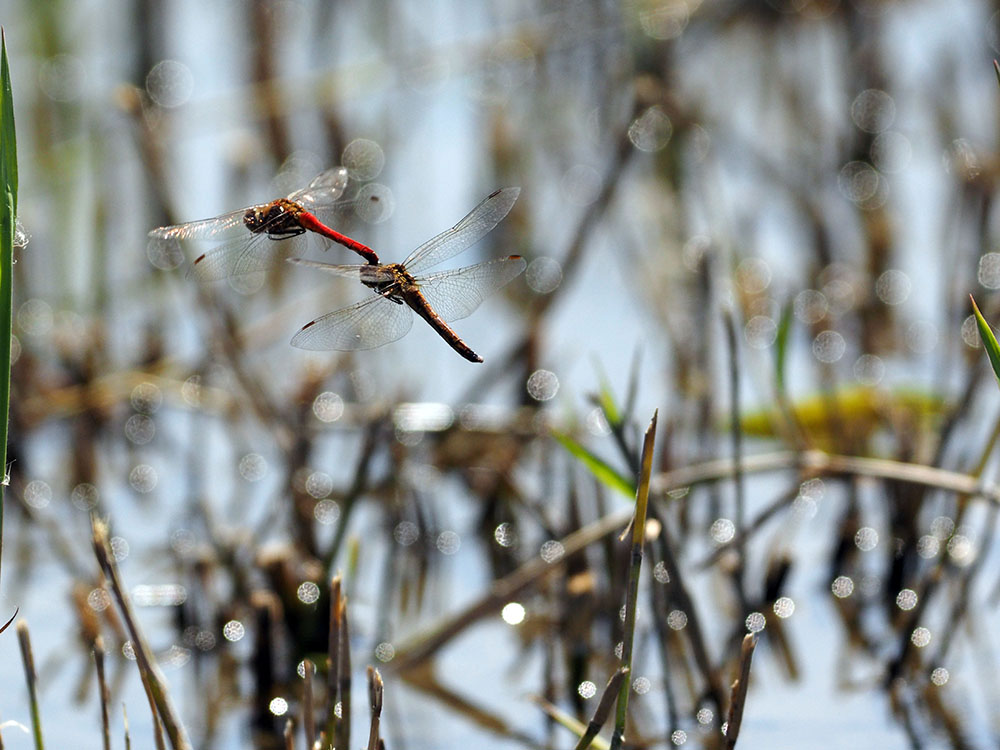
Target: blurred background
{"points": [[761, 217]]}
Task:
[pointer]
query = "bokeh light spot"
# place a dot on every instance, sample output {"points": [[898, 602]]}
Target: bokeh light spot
{"points": [[364, 159], [385, 652], [866, 538], [233, 631], [543, 275], [307, 592], [328, 406], [842, 587], [542, 385], [170, 83], [755, 622], [513, 613], [651, 130], [829, 346]]}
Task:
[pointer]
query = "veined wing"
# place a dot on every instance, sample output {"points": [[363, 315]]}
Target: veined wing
{"points": [[248, 254], [456, 294], [349, 272], [469, 230], [365, 325], [215, 228], [324, 190]]}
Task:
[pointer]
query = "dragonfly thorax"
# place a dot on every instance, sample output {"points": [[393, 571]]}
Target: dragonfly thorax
{"points": [[278, 218], [390, 280]]}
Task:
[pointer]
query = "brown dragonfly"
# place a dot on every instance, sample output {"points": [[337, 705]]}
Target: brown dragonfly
{"points": [[244, 231], [438, 298]]}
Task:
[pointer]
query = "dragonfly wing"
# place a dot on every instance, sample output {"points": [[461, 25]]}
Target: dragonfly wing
{"points": [[242, 256], [325, 188], [349, 272], [456, 294], [469, 230], [365, 325], [217, 227]]}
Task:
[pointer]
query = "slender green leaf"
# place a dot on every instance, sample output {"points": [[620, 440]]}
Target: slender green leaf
{"points": [[632, 587], [8, 215], [989, 340], [606, 399], [601, 469], [781, 344]]}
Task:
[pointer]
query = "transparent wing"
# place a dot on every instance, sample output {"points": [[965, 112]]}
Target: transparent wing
{"points": [[248, 254], [324, 190], [368, 324], [218, 227], [469, 230], [349, 272], [456, 294]]}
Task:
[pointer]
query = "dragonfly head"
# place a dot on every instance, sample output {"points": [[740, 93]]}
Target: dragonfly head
{"points": [[255, 218]]}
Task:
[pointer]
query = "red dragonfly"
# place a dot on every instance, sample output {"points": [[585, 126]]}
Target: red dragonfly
{"points": [[245, 231], [398, 288]]}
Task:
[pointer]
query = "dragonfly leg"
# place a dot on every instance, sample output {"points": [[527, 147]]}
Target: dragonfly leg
{"points": [[283, 234]]}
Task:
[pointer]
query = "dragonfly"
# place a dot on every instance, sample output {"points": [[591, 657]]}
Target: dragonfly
{"points": [[401, 289], [244, 232]]}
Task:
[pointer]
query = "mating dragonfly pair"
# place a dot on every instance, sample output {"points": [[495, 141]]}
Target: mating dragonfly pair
{"points": [[398, 288]]}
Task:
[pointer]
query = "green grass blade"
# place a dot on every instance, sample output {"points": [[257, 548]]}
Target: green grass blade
{"points": [[781, 344], [989, 340], [606, 399], [601, 469], [8, 215]]}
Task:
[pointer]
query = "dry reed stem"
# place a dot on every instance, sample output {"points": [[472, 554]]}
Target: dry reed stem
{"points": [[807, 463], [564, 719], [308, 712], [333, 656], [344, 679], [738, 698], [102, 687], [814, 463], [422, 646], [375, 688], [28, 660], [157, 723], [603, 709], [144, 655]]}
